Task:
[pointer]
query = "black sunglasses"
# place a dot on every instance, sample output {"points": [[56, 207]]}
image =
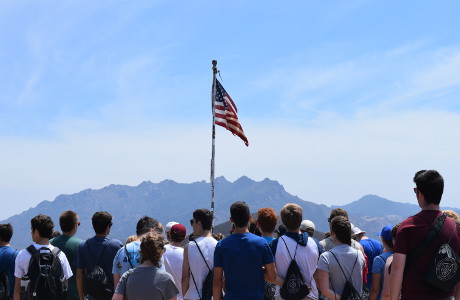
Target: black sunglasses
{"points": [[191, 221]]}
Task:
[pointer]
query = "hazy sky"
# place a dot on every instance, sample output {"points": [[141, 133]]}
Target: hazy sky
{"points": [[338, 98]]}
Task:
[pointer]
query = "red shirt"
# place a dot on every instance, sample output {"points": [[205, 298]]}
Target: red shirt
{"points": [[410, 234]]}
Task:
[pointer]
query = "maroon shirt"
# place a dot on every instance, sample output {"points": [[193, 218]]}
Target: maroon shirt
{"points": [[410, 234]]}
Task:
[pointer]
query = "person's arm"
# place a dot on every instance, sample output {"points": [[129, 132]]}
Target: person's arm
{"points": [[116, 278], [322, 281], [17, 288], [79, 278], [457, 291], [386, 280], [117, 297], [185, 272], [375, 287], [397, 272], [270, 272], [217, 283]]}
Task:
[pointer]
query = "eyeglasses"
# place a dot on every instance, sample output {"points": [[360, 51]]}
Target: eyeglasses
{"points": [[415, 190], [192, 221], [329, 220]]}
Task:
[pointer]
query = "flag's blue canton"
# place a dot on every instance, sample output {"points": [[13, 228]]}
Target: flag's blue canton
{"points": [[221, 93]]}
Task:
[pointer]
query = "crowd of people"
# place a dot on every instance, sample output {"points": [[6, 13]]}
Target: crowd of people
{"points": [[258, 260]]}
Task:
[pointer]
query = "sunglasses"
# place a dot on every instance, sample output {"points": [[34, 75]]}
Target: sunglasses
{"points": [[192, 221], [415, 190]]}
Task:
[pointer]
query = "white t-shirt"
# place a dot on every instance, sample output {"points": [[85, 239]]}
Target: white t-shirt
{"points": [[306, 258], [173, 258], [198, 266], [22, 262]]}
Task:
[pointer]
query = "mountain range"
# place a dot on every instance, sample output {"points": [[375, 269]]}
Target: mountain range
{"points": [[172, 201]]}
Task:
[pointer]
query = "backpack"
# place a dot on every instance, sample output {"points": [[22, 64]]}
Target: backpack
{"points": [[444, 270], [46, 276], [206, 290], [96, 282], [294, 286], [5, 288], [349, 292]]}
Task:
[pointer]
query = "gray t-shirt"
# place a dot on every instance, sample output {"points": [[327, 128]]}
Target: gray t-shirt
{"points": [[346, 255], [145, 283], [328, 244]]}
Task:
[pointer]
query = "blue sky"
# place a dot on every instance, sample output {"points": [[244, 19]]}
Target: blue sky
{"points": [[337, 99]]}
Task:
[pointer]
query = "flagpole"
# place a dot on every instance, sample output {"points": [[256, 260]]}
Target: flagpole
{"points": [[214, 72]]}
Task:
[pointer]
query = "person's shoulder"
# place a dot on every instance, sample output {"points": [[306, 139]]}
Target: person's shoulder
{"points": [[256, 239], [114, 243]]}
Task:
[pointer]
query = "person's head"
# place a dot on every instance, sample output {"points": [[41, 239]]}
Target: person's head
{"points": [[240, 214], [394, 230], [430, 184], [452, 214], [152, 248], [308, 227], [266, 219], [356, 233], [252, 226], [168, 228], [6, 232], [130, 239], [42, 227], [385, 235], [177, 233], [291, 216], [341, 229], [202, 220], [280, 231], [337, 212], [147, 224], [69, 221], [102, 222]]}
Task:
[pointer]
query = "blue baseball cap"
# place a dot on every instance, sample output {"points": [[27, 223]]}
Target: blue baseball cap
{"points": [[385, 233]]}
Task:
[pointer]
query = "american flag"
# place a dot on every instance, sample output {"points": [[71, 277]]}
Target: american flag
{"points": [[226, 113]]}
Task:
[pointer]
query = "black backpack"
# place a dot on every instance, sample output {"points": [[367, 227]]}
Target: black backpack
{"points": [[294, 286], [206, 290], [444, 270], [5, 288], [349, 292], [96, 282], [46, 276]]}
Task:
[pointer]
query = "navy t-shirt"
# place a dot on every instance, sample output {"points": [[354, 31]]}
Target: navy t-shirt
{"points": [[7, 258], [242, 257], [372, 248], [89, 253]]}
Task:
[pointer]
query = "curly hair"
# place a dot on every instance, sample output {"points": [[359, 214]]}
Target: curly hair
{"points": [[266, 219], [44, 225], [152, 248]]}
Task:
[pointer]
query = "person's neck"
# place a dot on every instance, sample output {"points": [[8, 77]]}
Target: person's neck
{"points": [[430, 206], [241, 230], [101, 235], [266, 234], [69, 233], [43, 241], [4, 244], [147, 263], [175, 244], [203, 233], [294, 231]]}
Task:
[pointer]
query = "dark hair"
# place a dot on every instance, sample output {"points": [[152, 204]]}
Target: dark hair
{"points": [[152, 248], [342, 229], [266, 219], [68, 220], [337, 212], [431, 184], [43, 224], [291, 216], [101, 220], [176, 236], [239, 211], [146, 224], [6, 232], [252, 226], [204, 216]]}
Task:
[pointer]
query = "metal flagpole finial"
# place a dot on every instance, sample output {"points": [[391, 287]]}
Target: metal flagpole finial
{"points": [[214, 66]]}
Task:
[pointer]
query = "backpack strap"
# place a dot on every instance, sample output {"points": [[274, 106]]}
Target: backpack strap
{"points": [[129, 259], [351, 273], [434, 232], [295, 253], [194, 282], [32, 250], [202, 256]]}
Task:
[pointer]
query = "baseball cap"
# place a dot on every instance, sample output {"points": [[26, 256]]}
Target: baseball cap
{"points": [[169, 226], [355, 230], [385, 233], [281, 230], [307, 224], [179, 229]]}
